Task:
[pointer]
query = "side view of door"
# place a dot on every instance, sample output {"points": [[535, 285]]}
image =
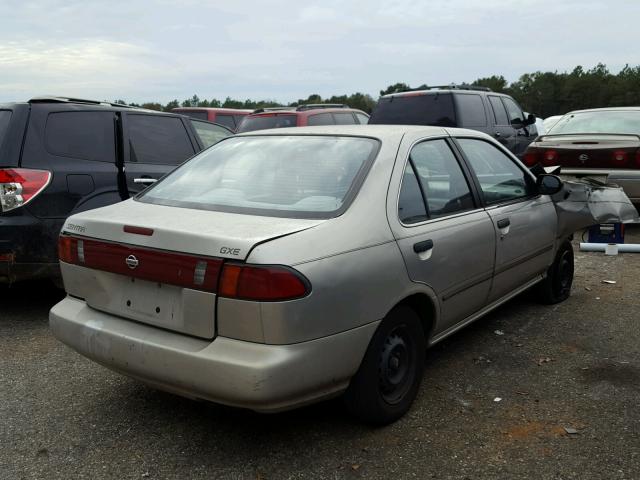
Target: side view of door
{"points": [[152, 146], [446, 238], [524, 221]]}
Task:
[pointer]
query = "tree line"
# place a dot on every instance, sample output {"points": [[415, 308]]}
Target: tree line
{"points": [[541, 93]]}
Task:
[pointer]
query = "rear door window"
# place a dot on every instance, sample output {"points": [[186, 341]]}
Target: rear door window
{"points": [[210, 133], [320, 119], [411, 206], [158, 139], [513, 110], [499, 112], [344, 119], [415, 109], [226, 120], [5, 117], [362, 118], [500, 178], [443, 183], [471, 110], [84, 135]]}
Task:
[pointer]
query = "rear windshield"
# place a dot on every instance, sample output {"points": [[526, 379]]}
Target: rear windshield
{"points": [[432, 109], [210, 133], [598, 122], [262, 122], [5, 116], [194, 114], [283, 176]]}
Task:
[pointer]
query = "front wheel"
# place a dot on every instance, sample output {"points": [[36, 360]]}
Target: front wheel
{"points": [[556, 287], [389, 377]]}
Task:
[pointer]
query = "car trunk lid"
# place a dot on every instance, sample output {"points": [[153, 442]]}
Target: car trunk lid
{"points": [[604, 151], [160, 265]]}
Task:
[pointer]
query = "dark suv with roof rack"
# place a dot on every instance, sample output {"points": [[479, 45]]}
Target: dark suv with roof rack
{"points": [[464, 106], [303, 116], [60, 156]]}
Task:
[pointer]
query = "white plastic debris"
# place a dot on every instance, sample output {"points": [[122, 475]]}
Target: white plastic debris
{"points": [[497, 399], [610, 282], [499, 332]]}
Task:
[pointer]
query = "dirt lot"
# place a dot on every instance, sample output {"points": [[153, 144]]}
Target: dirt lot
{"points": [[573, 366]]}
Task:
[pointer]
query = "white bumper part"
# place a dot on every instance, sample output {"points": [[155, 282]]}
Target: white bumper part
{"points": [[243, 374]]}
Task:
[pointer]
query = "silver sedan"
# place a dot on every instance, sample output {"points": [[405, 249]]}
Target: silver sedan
{"points": [[278, 268]]}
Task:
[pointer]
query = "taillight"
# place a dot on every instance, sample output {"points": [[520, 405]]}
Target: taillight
{"points": [[68, 249], [262, 283], [530, 158], [237, 280], [619, 157], [638, 158], [549, 158], [19, 185]]}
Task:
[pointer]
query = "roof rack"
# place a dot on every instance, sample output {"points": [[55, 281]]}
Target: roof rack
{"points": [[271, 109], [310, 106], [462, 86], [54, 99]]}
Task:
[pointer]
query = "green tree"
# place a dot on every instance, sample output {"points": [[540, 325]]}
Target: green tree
{"points": [[395, 88]]}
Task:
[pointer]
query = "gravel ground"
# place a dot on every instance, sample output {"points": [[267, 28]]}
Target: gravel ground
{"points": [[573, 366]]}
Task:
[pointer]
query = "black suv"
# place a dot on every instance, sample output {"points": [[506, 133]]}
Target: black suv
{"points": [[60, 156], [465, 106]]}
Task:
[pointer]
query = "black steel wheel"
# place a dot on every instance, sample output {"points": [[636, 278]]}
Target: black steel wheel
{"points": [[557, 286], [389, 377]]}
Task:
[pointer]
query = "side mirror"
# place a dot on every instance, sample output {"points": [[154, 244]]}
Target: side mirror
{"points": [[548, 184], [531, 119]]}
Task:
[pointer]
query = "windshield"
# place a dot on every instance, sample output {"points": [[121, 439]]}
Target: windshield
{"points": [[284, 176], [262, 122], [610, 121]]}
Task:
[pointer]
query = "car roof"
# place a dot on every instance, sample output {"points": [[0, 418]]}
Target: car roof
{"points": [[607, 109], [376, 131], [211, 109], [307, 111], [435, 91]]}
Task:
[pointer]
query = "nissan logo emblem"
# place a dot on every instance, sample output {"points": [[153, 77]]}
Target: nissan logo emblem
{"points": [[583, 158], [131, 261]]}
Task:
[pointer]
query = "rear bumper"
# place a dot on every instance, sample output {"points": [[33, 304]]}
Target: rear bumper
{"points": [[629, 180], [28, 247], [232, 372]]}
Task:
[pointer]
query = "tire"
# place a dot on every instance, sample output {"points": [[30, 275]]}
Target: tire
{"points": [[556, 287], [389, 377]]}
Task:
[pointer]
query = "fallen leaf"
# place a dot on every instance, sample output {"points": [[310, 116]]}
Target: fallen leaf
{"points": [[543, 360], [499, 332], [355, 466]]}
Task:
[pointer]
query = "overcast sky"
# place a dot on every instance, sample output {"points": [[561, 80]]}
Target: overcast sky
{"points": [[158, 50]]}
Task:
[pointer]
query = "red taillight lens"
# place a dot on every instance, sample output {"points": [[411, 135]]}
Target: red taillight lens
{"points": [[619, 157], [19, 185], [68, 249], [638, 159], [549, 158], [530, 158], [262, 283]]}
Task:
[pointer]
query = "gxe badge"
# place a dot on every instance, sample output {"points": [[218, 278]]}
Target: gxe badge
{"points": [[131, 261]]}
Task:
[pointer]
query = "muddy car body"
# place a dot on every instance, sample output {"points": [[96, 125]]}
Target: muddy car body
{"points": [[334, 277]]}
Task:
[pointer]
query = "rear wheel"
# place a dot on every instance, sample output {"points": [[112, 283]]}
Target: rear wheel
{"points": [[389, 377], [557, 286]]}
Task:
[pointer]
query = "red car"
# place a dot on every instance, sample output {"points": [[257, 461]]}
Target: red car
{"points": [[228, 117], [302, 116]]}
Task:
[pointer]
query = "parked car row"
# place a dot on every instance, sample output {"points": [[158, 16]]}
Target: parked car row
{"points": [[200, 279]]}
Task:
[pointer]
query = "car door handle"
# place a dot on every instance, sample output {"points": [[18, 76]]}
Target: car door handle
{"points": [[497, 134], [145, 180], [504, 223], [423, 246]]}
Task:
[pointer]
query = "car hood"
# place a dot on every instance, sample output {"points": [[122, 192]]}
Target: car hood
{"points": [[199, 232]]}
